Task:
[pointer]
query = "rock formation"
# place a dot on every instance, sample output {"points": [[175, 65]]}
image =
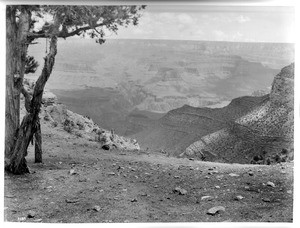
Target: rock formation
{"points": [[264, 134]]}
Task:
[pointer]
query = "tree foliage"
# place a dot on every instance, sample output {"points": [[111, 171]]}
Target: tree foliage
{"points": [[56, 21], [92, 21]]}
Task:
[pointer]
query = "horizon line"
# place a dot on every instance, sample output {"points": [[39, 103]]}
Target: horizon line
{"points": [[161, 39]]}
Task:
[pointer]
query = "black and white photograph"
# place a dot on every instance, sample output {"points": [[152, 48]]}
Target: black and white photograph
{"points": [[147, 112]]}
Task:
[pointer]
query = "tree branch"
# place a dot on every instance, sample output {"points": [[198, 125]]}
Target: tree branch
{"points": [[27, 99], [63, 34]]}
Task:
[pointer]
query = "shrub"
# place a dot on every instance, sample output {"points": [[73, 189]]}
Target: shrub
{"points": [[68, 129], [54, 124]]}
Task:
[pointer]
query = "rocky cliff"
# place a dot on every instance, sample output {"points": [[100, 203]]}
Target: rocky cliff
{"points": [[180, 127], [261, 135]]}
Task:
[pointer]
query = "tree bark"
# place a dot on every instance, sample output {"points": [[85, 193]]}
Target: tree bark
{"points": [[30, 124], [16, 49], [38, 144]]}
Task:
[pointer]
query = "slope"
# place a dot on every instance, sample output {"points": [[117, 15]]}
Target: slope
{"points": [[181, 127], [264, 132]]}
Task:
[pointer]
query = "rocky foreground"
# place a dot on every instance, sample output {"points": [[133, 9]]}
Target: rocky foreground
{"points": [[79, 182]]}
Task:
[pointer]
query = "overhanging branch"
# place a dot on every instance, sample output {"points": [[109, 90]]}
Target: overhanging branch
{"points": [[63, 34]]}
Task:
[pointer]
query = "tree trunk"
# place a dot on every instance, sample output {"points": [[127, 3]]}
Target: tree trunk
{"points": [[30, 123], [16, 49], [38, 144]]}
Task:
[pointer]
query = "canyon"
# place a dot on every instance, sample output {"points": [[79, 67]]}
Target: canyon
{"points": [[161, 91]]}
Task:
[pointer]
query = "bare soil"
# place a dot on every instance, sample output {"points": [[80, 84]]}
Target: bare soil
{"points": [[78, 175]]}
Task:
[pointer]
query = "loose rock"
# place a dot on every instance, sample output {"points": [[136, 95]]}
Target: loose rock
{"points": [[239, 197], [271, 184], [96, 208], [233, 175], [72, 172], [72, 200], [37, 220], [215, 210], [266, 200], [179, 190], [31, 214], [208, 198]]}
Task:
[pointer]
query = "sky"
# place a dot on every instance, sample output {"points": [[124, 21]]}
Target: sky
{"points": [[215, 23]]}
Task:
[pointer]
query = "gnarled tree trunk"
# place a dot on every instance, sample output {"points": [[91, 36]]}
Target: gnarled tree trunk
{"points": [[30, 124], [16, 49]]}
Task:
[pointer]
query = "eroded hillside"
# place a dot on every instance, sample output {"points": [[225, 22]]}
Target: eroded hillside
{"points": [[264, 131]]}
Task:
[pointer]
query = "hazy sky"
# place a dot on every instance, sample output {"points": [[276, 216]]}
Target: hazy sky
{"points": [[220, 23]]}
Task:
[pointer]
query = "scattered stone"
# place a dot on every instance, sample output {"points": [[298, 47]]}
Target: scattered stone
{"points": [[210, 168], [233, 175], [176, 177], [239, 197], [208, 198], [144, 194], [206, 177], [31, 214], [96, 208], [37, 220], [289, 192], [247, 188], [126, 221], [268, 200], [72, 172], [215, 210], [155, 186], [21, 219], [271, 184], [111, 173], [134, 200], [72, 200], [179, 190], [148, 174], [217, 187], [250, 173], [192, 159]]}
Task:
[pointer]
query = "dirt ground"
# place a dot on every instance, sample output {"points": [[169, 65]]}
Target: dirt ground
{"points": [[81, 183]]}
